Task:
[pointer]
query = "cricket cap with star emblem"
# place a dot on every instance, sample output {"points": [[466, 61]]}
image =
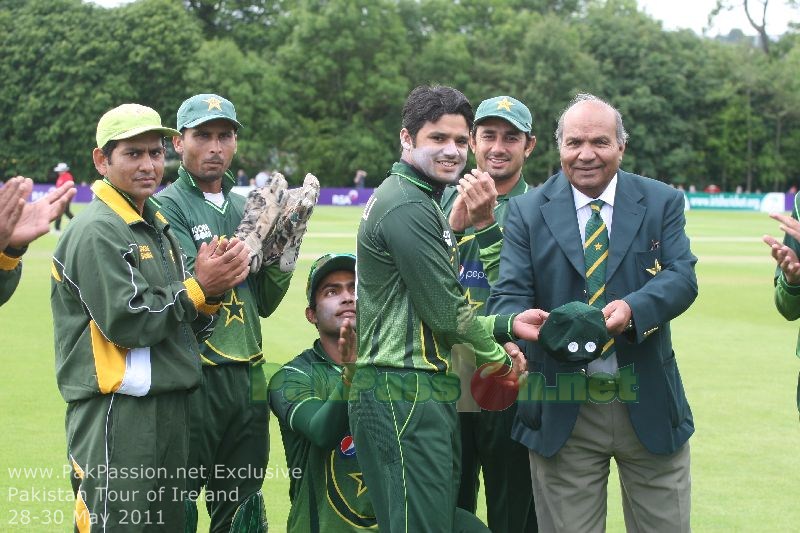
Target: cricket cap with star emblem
{"points": [[129, 120], [204, 107], [507, 108], [322, 267], [574, 333]]}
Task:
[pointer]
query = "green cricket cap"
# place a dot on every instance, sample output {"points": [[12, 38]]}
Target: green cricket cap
{"points": [[129, 120], [325, 265], [201, 108], [507, 108], [574, 333]]}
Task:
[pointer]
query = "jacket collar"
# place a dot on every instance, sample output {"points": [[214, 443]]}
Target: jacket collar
{"points": [[122, 204], [430, 187]]}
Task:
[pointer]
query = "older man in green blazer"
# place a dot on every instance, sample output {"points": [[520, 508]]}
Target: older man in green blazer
{"points": [[615, 240]]}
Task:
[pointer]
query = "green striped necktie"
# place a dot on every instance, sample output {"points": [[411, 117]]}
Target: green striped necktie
{"points": [[595, 255]]}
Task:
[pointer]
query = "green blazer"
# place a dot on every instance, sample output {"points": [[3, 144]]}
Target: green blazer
{"points": [[542, 266]]}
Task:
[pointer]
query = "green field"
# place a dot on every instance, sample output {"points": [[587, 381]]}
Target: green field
{"points": [[736, 356]]}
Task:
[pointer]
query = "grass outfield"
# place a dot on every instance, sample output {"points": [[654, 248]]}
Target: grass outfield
{"points": [[736, 357]]}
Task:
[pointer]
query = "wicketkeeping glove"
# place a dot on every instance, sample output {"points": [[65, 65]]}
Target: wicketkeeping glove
{"points": [[261, 212], [284, 243]]}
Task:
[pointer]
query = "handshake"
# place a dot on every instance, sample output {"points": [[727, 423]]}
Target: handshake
{"points": [[275, 221]]}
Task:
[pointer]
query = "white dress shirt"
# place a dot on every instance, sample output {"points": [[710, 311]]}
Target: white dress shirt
{"points": [[584, 212]]}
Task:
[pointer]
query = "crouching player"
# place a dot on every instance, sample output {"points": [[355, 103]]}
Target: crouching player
{"points": [[309, 396]]}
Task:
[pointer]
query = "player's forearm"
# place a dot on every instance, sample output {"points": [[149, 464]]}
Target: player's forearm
{"points": [[323, 422], [10, 273], [271, 284]]}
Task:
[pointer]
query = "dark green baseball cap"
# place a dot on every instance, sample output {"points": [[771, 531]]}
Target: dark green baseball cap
{"points": [[325, 265], [201, 108], [574, 333], [507, 108]]}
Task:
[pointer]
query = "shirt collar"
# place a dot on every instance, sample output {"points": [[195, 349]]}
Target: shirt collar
{"points": [[581, 200], [228, 180], [521, 187], [423, 182]]}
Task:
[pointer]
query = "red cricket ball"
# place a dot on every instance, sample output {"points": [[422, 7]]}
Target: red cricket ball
{"points": [[494, 386]]}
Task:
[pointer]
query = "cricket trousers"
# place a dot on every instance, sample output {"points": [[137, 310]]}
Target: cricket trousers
{"points": [[128, 457], [486, 445], [229, 448], [405, 428]]}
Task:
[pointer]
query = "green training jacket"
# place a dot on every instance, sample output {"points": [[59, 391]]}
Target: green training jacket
{"points": [[126, 314], [10, 272], [195, 220], [787, 297], [479, 251], [310, 400], [411, 308]]}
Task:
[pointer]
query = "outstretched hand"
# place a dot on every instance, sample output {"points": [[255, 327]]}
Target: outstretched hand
{"points": [[12, 201], [221, 265], [34, 221], [785, 258], [348, 349], [528, 323]]}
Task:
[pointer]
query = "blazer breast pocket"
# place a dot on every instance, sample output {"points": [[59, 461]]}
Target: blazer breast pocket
{"points": [[648, 264]]}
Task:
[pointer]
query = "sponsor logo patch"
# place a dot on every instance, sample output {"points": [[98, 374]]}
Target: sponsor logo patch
{"points": [[347, 447], [471, 274], [201, 232]]}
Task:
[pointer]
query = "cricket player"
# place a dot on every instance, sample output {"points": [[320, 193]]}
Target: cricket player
{"points": [[127, 319], [501, 139], [309, 397], [229, 415], [411, 311], [787, 270], [21, 223]]}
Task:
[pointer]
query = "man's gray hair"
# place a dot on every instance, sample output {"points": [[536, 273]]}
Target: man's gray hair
{"points": [[622, 135]]}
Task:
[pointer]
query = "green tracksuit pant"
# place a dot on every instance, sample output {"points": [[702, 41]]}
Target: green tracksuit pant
{"points": [[405, 428], [229, 447], [486, 446], [128, 456]]}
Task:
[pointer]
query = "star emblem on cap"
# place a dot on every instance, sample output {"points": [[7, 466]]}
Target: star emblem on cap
{"points": [[213, 103], [505, 103]]}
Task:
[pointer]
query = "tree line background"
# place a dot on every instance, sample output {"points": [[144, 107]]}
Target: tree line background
{"points": [[319, 84]]}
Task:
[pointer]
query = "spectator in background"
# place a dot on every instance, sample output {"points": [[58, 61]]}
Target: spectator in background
{"points": [[262, 178], [360, 179], [241, 178], [64, 176]]}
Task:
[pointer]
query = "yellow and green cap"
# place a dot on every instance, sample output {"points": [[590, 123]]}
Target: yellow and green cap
{"points": [[129, 120], [507, 108], [325, 265], [201, 108], [574, 333]]}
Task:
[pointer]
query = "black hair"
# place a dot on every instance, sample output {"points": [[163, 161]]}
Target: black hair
{"points": [[109, 147], [428, 103]]}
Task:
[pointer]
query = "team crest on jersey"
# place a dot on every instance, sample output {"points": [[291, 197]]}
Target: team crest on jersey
{"points": [[447, 238], [347, 447], [144, 252], [201, 232]]}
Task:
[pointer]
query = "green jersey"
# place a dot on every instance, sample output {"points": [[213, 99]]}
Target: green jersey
{"points": [[126, 315], [195, 220], [310, 401], [479, 251], [411, 308], [10, 272], [787, 297]]}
